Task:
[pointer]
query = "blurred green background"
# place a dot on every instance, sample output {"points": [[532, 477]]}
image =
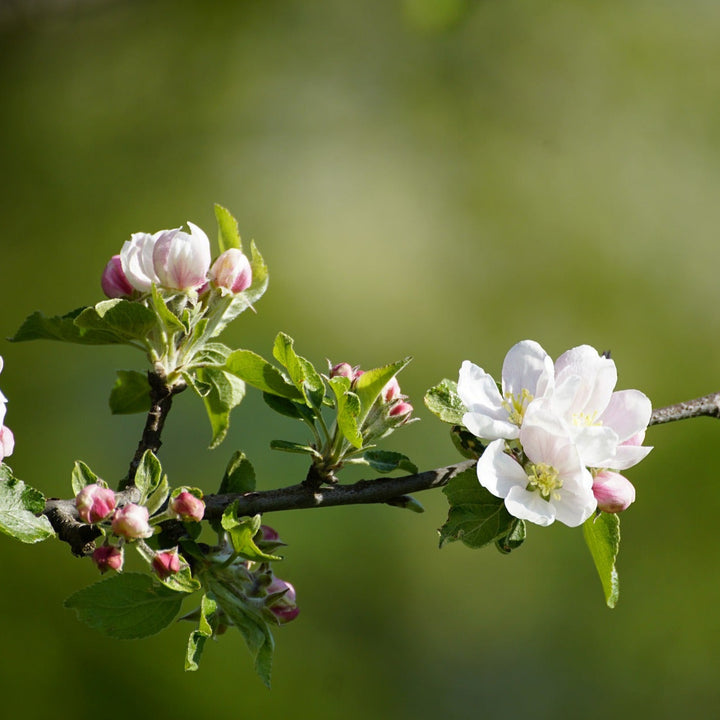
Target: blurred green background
{"points": [[439, 178]]}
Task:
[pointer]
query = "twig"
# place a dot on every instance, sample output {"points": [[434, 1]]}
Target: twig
{"points": [[708, 405]]}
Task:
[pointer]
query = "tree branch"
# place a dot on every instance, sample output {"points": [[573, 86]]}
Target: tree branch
{"points": [[708, 405]]}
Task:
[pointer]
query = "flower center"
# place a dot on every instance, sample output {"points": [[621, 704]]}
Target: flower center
{"points": [[516, 405], [545, 479], [586, 419]]}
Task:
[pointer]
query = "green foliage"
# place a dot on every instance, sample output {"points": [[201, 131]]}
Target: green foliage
{"points": [[228, 231], [130, 394], [207, 626], [385, 461], [242, 532], [443, 401], [126, 606], [239, 475], [20, 510], [148, 476], [62, 327], [301, 371], [602, 536], [259, 373], [224, 392], [371, 383], [81, 476]]}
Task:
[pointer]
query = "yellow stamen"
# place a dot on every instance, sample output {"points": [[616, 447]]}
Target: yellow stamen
{"points": [[545, 479]]}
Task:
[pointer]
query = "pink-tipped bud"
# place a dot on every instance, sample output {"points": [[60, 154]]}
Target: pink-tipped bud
{"points": [[114, 281], [613, 492], [94, 503], [284, 608], [342, 369], [108, 557], [181, 260], [391, 391], [166, 563], [269, 534], [232, 271], [400, 409], [187, 507], [7, 442], [131, 522]]}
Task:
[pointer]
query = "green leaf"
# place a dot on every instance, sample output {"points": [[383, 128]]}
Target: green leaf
{"points": [[126, 606], [171, 321], [20, 508], [385, 461], [205, 629], [348, 411], [301, 371], [226, 391], [130, 394], [293, 447], [81, 476], [125, 319], [443, 401], [371, 383], [259, 373], [466, 443], [242, 531], [476, 517], [228, 231], [239, 476], [148, 476], [157, 498], [63, 328], [514, 538], [602, 536], [289, 408]]}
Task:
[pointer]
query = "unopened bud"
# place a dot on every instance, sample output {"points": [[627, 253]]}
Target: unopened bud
{"points": [[232, 271], [166, 563], [342, 369], [187, 507], [114, 281], [613, 492], [131, 522], [94, 503], [391, 391], [7, 442], [400, 409], [181, 260], [269, 534], [107, 558], [284, 607]]}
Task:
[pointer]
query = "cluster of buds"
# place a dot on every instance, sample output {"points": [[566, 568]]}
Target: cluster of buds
{"points": [[97, 505], [558, 433], [7, 440], [390, 410], [174, 260]]}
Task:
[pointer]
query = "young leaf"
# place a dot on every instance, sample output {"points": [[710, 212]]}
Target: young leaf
{"points": [[171, 321], [126, 606], [226, 392], [443, 401], [348, 411], [289, 408], [242, 531], [476, 517], [62, 327], [130, 394], [602, 536], [301, 371], [148, 475], [81, 476], [293, 447], [259, 373], [385, 461], [20, 508], [514, 538], [125, 319], [239, 476], [205, 630], [371, 383], [228, 231]]}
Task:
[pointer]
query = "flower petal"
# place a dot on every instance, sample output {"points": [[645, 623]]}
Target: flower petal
{"points": [[527, 367], [628, 413], [498, 472], [526, 505]]}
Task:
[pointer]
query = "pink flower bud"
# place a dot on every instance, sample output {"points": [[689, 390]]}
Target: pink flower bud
{"points": [[166, 563], [131, 522], [269, 534], [400, 409], [187, 507], [613, 492], [342, 369], [7, 442], [284, 608], [108, 557], [114, 282], [94, 503], [181, 261], [232, 271], [391, 391], [136, 258]]}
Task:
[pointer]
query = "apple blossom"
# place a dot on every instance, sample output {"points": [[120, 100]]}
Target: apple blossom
{"points": [[527, 374], [552, 485], [7, 440], [131, 522], [181, 260], [136, 259], [108, 557], [232, 271], [94, 503], [166, 563], [613, 492], [114, 282], [283, 607], [342, 369], [400, 409], [187, 506]]}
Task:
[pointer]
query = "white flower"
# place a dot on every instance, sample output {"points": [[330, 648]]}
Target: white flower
{"points": [[527, 374], [552, 485], [136, 258], [181, 261], [605, 425]]}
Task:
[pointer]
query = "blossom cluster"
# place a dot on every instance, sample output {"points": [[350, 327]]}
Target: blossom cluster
{"points": [[558, 433], [7, 440], [174, 260], [97, 504]]}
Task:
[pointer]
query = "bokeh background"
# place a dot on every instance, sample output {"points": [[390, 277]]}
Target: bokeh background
{"points": [[440, 178]]}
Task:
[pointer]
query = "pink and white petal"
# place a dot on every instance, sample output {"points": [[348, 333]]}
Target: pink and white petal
{"points": [[596, 444], [542, 433], [488, 428], [574, 508], [628, 455], [530, 506], [498, 472], [527, 367], [598, 377], [628, 413], [478, 390], [7, 442]]}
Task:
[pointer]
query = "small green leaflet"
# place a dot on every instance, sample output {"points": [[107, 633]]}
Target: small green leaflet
{"points": [[130, 394], [242, 531], [258, 372], [126, 606], [371, 383], [602, 536], [206, 627], [226, 392], [301, 371], [239, 475], [62, 327], [81, 476], [20, 508], [228, 231], [385, 461], [443, 401]]}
